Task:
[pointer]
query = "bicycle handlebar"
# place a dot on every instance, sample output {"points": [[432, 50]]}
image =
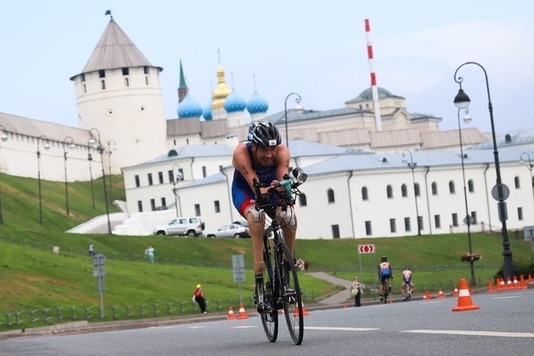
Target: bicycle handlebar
{"points": [[284, 197]]}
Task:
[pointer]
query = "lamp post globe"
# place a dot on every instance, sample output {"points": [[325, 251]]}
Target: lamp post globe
{"points": [[297, 99]]}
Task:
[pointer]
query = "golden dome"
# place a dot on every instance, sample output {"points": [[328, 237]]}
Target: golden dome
{"points": [[221, 91]]}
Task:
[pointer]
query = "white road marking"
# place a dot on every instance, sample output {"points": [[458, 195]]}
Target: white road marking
{"points": [[244, 327], [337, 328], [469, 332], [509, 297], [196, 327]]}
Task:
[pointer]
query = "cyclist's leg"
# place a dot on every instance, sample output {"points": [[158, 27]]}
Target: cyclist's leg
{"points": [[288, 222]]}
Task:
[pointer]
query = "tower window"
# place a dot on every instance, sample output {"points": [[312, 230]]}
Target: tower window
{"points": [[102, 73], [125, 71]]}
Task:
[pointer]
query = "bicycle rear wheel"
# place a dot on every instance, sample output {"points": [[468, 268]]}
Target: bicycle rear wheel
{"points": [[291, 296], [386, 291], [269, 317]]}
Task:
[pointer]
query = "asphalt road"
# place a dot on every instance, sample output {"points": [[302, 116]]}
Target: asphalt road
{"points": [[504, 324]]}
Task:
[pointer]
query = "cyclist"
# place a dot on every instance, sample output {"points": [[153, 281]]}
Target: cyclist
{"points": [[407, 281], [262, 157], [385, 274]]}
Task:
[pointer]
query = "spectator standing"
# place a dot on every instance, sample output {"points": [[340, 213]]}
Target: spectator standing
{"points": [[198, 296], [91, 249], [356, 292], [150, 253]]}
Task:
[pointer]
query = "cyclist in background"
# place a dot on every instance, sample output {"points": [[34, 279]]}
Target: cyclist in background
{"points": [[262, 157], [407, 281], [385, 274]]}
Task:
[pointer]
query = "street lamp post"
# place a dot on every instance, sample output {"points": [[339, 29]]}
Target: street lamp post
{"points": [[529, 168], [462, 102], [97, 144], [468, 218], [46, 146], [412, 166], [89, 159], [4, 138], [297, 99], [68, 142], [111, 146]]}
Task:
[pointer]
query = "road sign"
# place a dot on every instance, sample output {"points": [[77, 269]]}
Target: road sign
{"points": [[370, 248], [238, 264]]}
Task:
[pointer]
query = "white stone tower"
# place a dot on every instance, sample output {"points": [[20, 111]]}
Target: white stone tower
{"points": [[118, 93]]}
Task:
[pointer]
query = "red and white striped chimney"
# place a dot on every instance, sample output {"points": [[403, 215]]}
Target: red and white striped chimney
{"points": [[374, 88]]}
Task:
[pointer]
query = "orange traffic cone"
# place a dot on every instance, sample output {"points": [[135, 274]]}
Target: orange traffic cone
{"points": [[490, 287], [455, 293], [522, 283], [231, 315], [515, 283], [242, 314], [501, 285], [427, 295], [464, 298], [304, 311], [508, 283], [529, 278], [440, 294]]}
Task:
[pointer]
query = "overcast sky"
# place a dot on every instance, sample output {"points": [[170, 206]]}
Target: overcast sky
{"points": [[314, 48]]}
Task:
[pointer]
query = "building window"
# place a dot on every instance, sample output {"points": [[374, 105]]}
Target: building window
{"points": [[150, 182], [331, 197], [404, 191], [302, 200], [140, 206], [419, 224], [83, 77], [197, 209], [389, 192], [452, 189], [204, 172], [126, 82], [145, 70], [163, 203], [455, 220], [392, 225], [520, 214], [125, 71], [437, 221], [153, 204], [517, 183], [365, 194], [217, 206], [368, 228], [407, 225], [335, 232], [137, 183], [102, 73], [171, 176], [103, 84], [470, 186], [417, 190], [160, 177], [434, 188], [474, 219]]}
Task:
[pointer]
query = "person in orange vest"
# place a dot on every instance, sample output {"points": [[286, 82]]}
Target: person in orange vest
{"points": [[198, 296]]}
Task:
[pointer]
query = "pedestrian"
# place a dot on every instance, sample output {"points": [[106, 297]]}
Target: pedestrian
{"points": [[198, 296], [91, 249], [356, 292], [150, 253]]}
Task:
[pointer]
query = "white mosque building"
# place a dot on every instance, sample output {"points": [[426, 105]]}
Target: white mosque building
{"points": [[120, 106]]}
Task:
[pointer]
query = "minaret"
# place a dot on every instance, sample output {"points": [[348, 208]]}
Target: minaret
{"points": [[182, 89], [118, 92]]}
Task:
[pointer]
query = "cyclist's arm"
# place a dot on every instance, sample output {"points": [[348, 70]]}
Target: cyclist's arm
{"points": [[281, 162], [241, 162]]}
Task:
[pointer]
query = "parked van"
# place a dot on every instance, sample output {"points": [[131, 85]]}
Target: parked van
{"points": [[185, 226]]}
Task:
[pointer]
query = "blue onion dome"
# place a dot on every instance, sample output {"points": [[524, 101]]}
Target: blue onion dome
{"points": [[234, 103], [206, 113], [257, 104], [189, 108]]}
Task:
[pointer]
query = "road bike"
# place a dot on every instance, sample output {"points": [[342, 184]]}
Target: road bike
{"points": [[385, 290], [406, 294], [281, 289]]}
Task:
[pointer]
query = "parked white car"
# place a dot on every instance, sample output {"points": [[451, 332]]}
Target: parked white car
{"points": [[230, 230], [191, 227]]}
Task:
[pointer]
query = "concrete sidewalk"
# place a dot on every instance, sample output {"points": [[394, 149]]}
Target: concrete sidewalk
{"points": [[339, 297]]}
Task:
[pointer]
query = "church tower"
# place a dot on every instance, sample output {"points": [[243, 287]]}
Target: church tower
{"points": [[118, 93]]}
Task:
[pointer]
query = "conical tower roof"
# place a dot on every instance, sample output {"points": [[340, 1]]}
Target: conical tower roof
{"points": [[115, 50]]}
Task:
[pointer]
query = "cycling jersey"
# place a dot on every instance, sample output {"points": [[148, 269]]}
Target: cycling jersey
{"points": [[407, 276], [242, 195], [385, 271]]}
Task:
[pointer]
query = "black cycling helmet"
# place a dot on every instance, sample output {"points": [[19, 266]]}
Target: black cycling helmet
{"points": [[406, 267], [264, 134], [384, 259]]}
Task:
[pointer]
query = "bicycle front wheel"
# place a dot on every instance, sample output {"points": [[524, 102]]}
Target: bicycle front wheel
{"points": [[291, 297], [269, 317]]}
